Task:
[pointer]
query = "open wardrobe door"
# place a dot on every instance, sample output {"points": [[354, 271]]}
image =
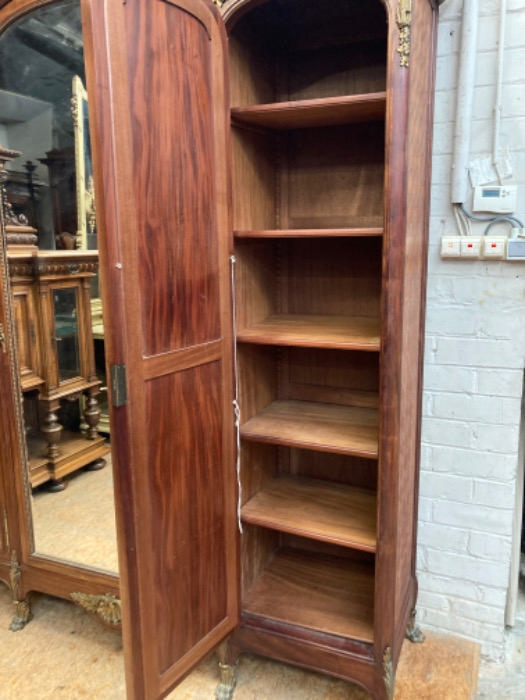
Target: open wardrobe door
{"points": [[157, 98]]}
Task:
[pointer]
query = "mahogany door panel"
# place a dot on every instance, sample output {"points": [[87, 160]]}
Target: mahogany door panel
{"points": [[157, 91]]}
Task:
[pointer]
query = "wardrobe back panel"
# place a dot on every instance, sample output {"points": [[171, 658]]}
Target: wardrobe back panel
{"points": [[334, 177]]}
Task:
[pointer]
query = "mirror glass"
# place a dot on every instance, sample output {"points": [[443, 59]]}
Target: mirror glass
{"points": [[53, 261]]}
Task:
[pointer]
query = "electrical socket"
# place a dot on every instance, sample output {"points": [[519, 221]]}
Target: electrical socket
{"points": [[470, 246], [451, 246], [494, 247]]}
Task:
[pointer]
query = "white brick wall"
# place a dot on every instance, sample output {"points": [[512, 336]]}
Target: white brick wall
{"points": [[475, 350]]}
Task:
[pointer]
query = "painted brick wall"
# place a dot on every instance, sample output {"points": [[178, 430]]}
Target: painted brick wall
{"points": [[475, 356]]}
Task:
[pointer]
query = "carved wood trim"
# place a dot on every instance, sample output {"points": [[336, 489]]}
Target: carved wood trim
{"points": [[56, 267], [21, 268]]}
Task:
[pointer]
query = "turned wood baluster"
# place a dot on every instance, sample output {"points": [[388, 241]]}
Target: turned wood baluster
{"points": [[52, 429], [92, 413]]}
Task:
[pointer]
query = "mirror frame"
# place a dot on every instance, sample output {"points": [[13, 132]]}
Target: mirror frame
{"points": [[21, 568]]}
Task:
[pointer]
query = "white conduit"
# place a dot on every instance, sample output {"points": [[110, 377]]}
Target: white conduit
{"points": [[499, 83], [465, 92]]}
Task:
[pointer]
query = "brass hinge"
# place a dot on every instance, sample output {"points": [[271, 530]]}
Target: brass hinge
{"points": [[2, 338], [119, 394]]}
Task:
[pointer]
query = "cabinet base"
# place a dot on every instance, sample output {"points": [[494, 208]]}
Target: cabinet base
{"points": [[76, 451], [350, 660]]}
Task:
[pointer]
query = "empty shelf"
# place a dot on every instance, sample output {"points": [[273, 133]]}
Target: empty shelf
{"points": [[310, 232], [317, 426], [337, 332], [325, 593], [320, 510], [327, 111]]}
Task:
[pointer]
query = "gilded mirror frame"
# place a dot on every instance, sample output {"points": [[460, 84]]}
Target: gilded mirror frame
{"points": [[21, 567]]}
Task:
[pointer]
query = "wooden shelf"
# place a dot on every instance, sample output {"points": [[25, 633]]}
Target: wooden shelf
{"points": [[76, 451], [320, 592], [30, 382], [321, 510], [336, 332], [38, 470], [311, 233], [316, 426], [302, 114]]}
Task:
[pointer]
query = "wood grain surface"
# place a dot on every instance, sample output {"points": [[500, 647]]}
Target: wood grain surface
{"points": [[158, 96], [337, 513], [316, 591], [351, 333], [316, 426], [316, 112]]}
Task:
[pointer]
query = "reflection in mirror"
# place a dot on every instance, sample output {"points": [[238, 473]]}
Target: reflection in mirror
{"points": [[53, 266]]}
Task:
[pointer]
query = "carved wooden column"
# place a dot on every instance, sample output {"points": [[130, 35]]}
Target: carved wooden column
{"points": [[18, 231]]}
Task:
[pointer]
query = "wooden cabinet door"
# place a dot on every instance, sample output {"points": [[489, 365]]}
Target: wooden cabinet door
{"points": [[159, 119], [25, 323]]}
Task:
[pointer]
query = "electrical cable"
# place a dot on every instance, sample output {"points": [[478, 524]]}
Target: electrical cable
{"points": [[472, 217], [461, 222], [499, 221]]}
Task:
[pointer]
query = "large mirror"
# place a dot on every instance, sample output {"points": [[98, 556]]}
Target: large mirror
{"points": [[53, 267]]}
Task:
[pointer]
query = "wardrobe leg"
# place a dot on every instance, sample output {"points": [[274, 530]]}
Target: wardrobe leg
{"points": [[414, 633], [22, 616], [227, 667]]}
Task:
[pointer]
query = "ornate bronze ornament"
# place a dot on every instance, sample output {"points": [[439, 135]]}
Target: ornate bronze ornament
{"points": [[388, 672], [224, 690], [403, 21], [14, 574], [22, 607], [414, 633], [106, 606], [75, 109]]}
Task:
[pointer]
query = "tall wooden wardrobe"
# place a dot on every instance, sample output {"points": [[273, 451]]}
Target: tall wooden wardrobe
{"points": [[262, 175]]}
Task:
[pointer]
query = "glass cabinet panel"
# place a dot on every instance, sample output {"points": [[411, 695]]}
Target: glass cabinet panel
{"points": [[66, 333]]}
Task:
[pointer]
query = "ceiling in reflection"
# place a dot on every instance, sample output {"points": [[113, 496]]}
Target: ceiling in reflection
{"points": [[38, 55]]}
